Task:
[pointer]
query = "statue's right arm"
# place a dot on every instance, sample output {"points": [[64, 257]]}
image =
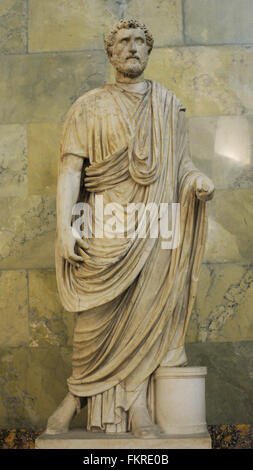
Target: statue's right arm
{"points": [[67, 194]]}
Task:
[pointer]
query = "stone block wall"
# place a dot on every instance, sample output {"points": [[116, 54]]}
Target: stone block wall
{"points": [[51, 52]]}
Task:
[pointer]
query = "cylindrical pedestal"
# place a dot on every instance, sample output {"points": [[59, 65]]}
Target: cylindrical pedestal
{"points": [[180, 407]]}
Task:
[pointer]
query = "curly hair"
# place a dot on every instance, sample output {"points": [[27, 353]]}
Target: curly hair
{"points": [[127, 23]]}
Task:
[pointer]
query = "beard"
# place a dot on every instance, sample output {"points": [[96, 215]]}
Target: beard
{"points": [[130, 68]]}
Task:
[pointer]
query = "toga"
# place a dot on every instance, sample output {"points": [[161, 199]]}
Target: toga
{"points": [[133, 299]]}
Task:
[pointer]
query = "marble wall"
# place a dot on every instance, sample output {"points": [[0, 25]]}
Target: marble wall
{"points": [[50, 53]]}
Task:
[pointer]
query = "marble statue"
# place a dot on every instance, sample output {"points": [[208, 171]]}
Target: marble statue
{"points": [[127, 142]]}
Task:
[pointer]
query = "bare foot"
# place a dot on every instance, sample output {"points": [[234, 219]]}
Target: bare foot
{"points": [[60, 420], [142, 425]]}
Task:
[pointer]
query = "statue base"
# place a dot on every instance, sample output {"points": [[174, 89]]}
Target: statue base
{"points": [[177, 404], [79, 439]]}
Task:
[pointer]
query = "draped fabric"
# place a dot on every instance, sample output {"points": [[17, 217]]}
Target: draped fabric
{"points": [[133, 298]]}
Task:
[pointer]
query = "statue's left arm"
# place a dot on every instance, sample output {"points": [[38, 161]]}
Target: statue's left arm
{"points": [[201, 184]]}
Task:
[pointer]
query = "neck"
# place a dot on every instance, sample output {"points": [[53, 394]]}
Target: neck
{"points": [[132, 84], [121, 78]]}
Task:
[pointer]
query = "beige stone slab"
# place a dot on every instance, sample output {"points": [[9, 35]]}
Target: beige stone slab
{"points": [[78, 439], [13, 391], [43, 150], [229, 382], [27, 232], [221, 147], [13, 160], [218, 22], [33, 382], [45, 85], [163, 18], [230, 227], [49, 323], [13, 19], [209, 81], [224, 304], [14, 329], [63, 25], [222, 244]]}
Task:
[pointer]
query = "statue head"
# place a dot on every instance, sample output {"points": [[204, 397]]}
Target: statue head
{"points": [[128, 46]]}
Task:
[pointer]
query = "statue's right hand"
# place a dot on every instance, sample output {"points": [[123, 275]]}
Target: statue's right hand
{"points": [[66, 246]]}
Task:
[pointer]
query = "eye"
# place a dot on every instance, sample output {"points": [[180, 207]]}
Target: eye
{"points": [[124, 42], [139, 41]]}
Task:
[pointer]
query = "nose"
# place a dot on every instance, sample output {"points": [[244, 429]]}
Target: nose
{"points": [[132, 47]]}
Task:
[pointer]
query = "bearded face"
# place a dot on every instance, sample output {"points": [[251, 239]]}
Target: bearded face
{"points": [[130, 52]]}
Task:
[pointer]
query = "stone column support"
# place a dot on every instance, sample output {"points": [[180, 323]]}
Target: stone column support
{"points": [[180, 407]]}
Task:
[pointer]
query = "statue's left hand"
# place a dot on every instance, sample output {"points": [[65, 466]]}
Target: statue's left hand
{"points": [[204, 188]]}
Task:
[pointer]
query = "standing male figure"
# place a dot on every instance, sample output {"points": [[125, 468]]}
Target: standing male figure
{"points": [[133, 299]]}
